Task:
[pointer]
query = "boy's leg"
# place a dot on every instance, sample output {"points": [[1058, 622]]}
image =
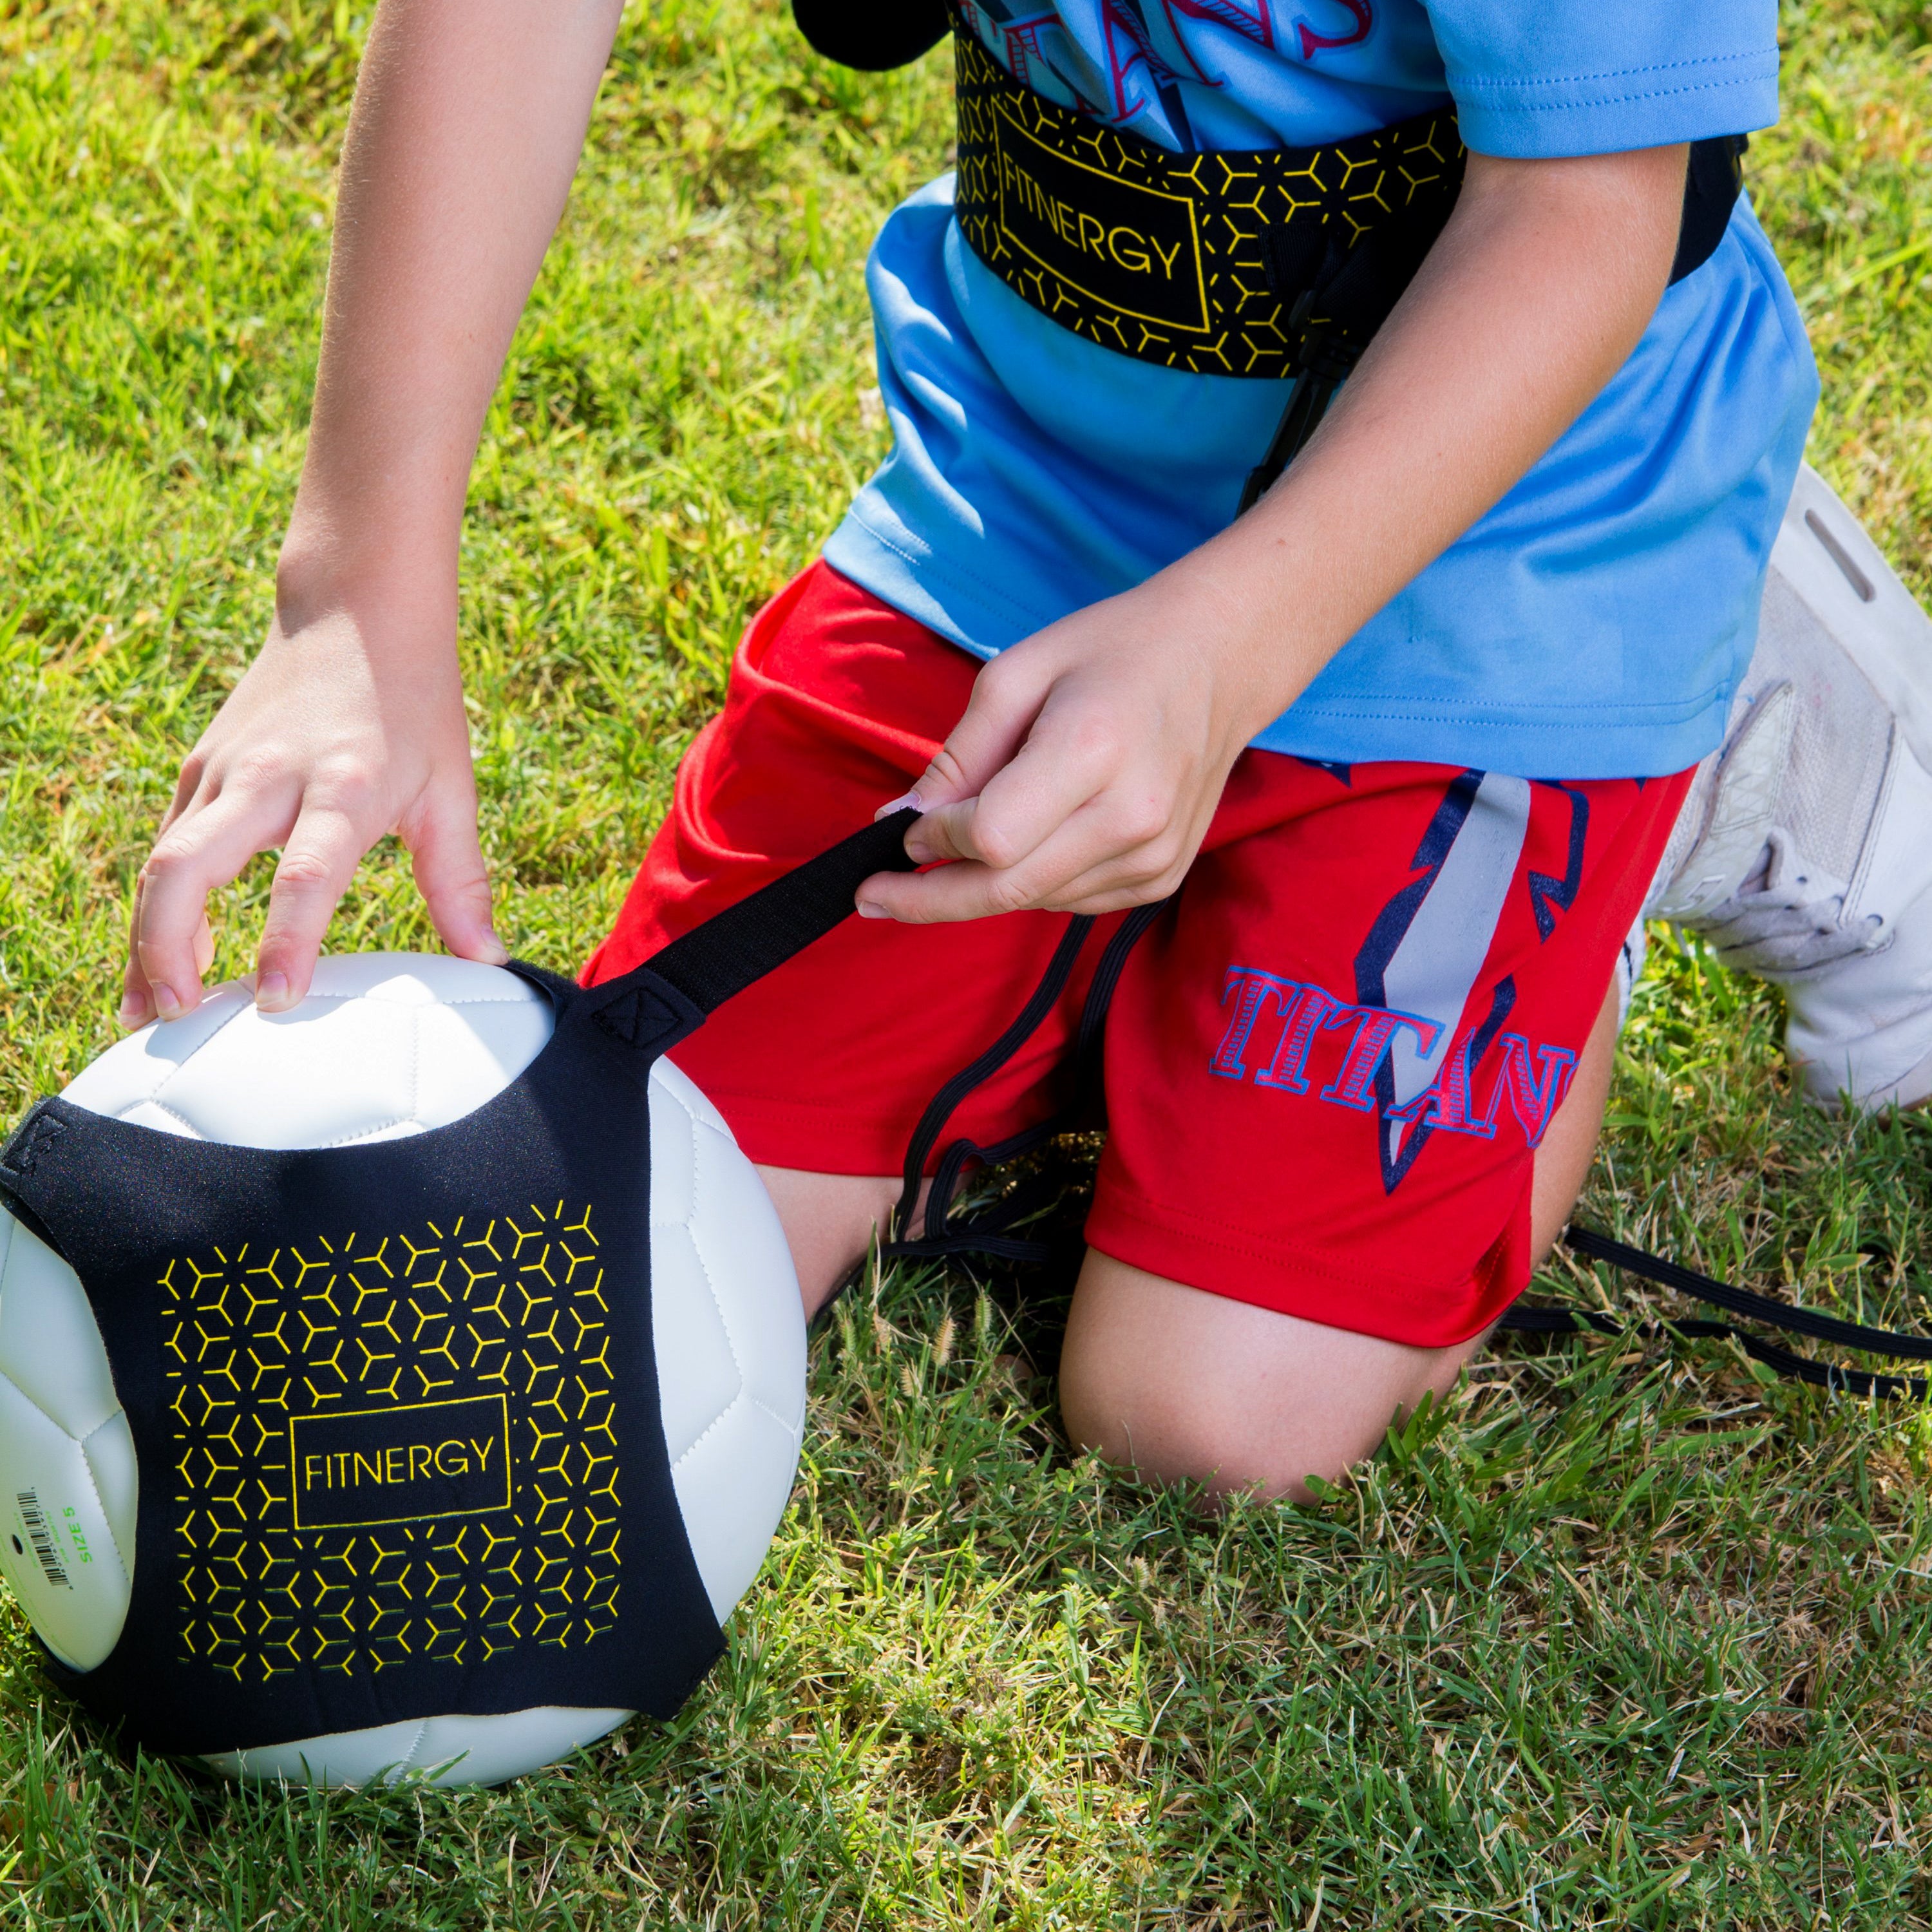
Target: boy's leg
{"points": [[1188, 1386], [829, 1220]]}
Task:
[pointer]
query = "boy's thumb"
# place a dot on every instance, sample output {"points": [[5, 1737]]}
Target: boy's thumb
{"points": [[996, 720]]}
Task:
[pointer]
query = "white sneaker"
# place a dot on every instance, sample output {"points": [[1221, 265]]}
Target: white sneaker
{"points": [[1804, 852]]}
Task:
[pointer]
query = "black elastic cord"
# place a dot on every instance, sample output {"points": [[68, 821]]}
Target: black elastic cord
{"points": [[1323, 371], [1100, 994], [1782, 1315], [943, 1104], [746, 941], [1713, 178], [988, 1232], [1537, 1319]]}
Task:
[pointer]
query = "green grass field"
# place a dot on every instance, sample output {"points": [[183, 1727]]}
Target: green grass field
{"points": [[1624, 1636]]}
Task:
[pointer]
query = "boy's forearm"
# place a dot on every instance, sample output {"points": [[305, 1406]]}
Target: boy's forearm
{"points": [[1539, 288], [468, 119]]}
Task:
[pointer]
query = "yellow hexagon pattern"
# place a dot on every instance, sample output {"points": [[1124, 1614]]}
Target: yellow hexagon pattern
{"points": [[512, 1308], [1044, 196]]}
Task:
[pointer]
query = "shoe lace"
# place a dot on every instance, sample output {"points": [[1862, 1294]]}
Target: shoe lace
{"points": [[1788, 915]]}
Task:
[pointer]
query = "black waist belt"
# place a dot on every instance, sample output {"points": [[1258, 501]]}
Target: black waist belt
{"points": [[1276, 262], [1180, 259]]}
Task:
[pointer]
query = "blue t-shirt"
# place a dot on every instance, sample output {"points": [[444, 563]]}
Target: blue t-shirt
{"points": [[1596, 622]]}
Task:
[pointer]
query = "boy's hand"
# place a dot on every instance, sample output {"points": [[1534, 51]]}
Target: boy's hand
{"points": [[469, 118], [325, 745], [1088, 763]]}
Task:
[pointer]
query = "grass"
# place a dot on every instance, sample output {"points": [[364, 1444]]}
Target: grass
{"points": [[1622, 1635]]}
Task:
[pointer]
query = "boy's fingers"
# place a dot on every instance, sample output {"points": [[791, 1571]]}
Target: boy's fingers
{"points": [[1022, 806], [968, 890], [972, 890], [199, 852], [967, 831], [317, 865], [1134, 879], [944, 832], [137, 1005], [1122, 847], [447, 860], [188, 784]]}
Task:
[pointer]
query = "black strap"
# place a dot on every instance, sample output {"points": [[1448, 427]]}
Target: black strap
{"points": [[1537, 1319], [746, 941]]}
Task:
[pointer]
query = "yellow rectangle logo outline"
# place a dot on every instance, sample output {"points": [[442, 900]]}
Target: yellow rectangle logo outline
{"points": [[1002, 113], [502, 1402]]}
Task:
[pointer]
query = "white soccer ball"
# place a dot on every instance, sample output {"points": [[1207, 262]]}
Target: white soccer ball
{"points": [[386, 1045]]}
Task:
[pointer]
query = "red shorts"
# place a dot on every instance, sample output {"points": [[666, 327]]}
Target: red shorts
{"points": [[1327, 1067]]}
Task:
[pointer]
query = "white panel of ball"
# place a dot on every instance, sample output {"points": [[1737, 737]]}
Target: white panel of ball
{"points": [[732, 1465]]}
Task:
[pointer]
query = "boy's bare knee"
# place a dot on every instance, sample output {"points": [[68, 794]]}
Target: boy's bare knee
{"points": [[1193, 1388], [829, 1221]]}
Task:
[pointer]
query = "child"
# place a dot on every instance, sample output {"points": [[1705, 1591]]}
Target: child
{"points": [[1414, 730]]}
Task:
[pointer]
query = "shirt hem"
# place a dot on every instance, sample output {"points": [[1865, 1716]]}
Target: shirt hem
{"points": [[1577, 741], [1555, 130], [898, 572], [1765, 59]]}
